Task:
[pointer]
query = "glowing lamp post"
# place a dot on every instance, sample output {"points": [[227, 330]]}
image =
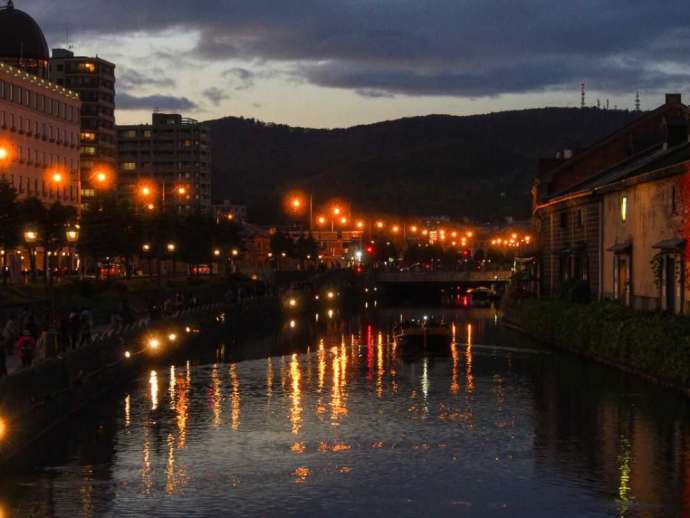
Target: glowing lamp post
{"points": [[72, 236], [296, 204], [171, 248], [30, 237], [146, 250]]}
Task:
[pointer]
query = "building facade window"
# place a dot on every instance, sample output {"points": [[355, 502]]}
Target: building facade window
{"points": [[563, 219]]}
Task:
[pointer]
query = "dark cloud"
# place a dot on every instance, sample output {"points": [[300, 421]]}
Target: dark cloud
{"points": [[129, 78], [151, 102], [430, 47], [239, 78], [215, 95]]}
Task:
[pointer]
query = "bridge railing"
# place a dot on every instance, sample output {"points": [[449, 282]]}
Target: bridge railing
{"points": [[444, 276]]}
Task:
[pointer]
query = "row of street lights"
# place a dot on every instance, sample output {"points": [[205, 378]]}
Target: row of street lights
{"points": [[56, 176], [337, 215]]}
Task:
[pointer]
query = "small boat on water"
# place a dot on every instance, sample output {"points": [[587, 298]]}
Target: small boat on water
{"points": [[427, 333]]}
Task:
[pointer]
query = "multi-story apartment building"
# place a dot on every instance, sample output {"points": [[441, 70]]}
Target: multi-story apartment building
{"points": [[166, 164], [94, 80], [39, 120]]}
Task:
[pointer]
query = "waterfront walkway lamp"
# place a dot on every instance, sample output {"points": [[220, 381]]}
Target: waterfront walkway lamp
{"points": [[171, 248], [30, 238], [72, 236]]}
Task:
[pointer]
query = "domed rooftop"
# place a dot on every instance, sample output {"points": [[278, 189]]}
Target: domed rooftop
{"points": [[22, 38]]}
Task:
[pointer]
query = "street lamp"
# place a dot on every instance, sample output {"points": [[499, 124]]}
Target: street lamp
{"points": [[171, 247], [72, 235], [296, 203], [31, 236]]}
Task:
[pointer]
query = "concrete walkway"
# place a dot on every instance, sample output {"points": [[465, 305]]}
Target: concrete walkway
{"points": [[106, 332]]}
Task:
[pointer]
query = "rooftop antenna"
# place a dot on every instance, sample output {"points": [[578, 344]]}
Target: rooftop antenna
{"points": [[637, 101], [68, 45], [582, 95], [10, 4]]}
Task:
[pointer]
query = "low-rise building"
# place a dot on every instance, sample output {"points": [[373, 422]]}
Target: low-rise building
{"points": [[645, 234], [567, 199]]}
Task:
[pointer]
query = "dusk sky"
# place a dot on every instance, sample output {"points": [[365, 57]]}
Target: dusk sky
{"points": [[334, 63]]}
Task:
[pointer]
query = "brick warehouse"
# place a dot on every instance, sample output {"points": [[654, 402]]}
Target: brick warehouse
{"points": [[567, 198]]}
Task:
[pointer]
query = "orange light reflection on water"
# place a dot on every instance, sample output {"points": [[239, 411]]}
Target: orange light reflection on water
{"points": [[269, 377], [469, 377], [234, 398], [182, 409], [216, 397], [454, 385], [295, 395], [153, 382]]}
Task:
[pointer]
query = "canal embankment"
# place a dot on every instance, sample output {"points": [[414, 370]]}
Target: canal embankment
{"points": [[655, 346], [34, 400]]}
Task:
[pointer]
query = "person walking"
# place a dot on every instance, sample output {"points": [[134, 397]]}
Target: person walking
{"points": [[26, 346], [10, 335], [85, 325], [74, 329]]}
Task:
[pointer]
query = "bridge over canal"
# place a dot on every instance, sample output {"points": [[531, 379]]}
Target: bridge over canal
{"points": [[444, 277]]}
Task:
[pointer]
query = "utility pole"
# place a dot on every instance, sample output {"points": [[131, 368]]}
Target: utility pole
{"points": [[582, 95]]}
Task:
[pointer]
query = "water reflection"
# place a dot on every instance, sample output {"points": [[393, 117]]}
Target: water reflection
{"points": [[235, 397], [216, 396], [296, 408], [479, 428], [153, 382]]}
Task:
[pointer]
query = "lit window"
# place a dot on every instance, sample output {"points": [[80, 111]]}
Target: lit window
{"points": [[88, 150], [131, 133], [87, 67], [129, 166], [87, 135], [624, 209]]}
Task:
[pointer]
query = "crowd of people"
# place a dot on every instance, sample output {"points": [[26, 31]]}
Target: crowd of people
{"points": [[28, 337]]}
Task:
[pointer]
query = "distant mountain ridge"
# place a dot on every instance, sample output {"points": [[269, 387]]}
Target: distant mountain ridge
{"points": [[479, 166]]}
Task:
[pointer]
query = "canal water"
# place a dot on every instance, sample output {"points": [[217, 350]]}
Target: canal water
{"points": [[349, 424]]}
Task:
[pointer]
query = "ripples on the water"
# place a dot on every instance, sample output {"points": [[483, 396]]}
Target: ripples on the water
{"points": [[353, 427]]}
